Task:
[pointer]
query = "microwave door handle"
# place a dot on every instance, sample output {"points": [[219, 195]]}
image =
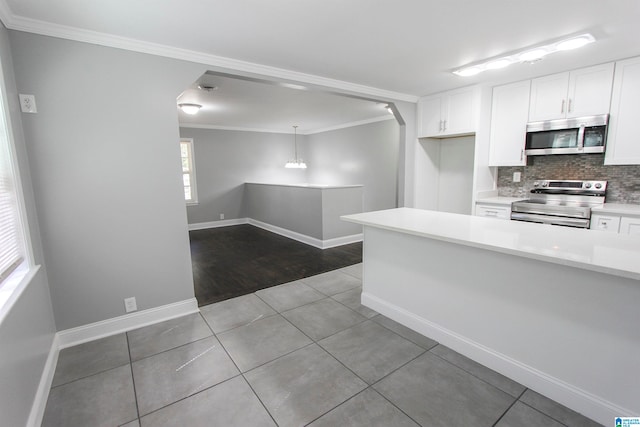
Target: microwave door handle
{"points": [[581, 137]]}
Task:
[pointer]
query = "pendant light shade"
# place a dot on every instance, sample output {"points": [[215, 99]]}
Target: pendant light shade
{"points": [[295, 163]]}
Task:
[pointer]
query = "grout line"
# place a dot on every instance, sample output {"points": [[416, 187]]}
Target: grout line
{"points": [[474, 375], [259, 400], [133, 378], [192, 394], [544, 413], [509, 408], [402, 336]]}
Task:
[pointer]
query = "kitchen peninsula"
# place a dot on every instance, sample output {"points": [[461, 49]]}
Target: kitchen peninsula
{"points": [[309, 213], [554, 308]]}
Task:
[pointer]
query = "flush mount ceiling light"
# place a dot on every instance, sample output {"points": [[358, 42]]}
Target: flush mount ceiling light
{"points": [[190, 108], [530, 54], [295, 163]]}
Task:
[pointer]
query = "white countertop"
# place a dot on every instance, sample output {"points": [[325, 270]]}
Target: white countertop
{"points": [[602, 252], [617, 208], [306, 185], [499, 200]]}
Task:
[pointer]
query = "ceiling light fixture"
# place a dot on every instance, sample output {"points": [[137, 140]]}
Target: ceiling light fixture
{"points": [[530, 54], [389, 109], [190, 108], [295, 163]]}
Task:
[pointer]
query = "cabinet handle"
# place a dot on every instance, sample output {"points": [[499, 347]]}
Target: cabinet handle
{"points": [[444, 125], [569, 106], [562, 107], [491, 213], [521, 154]]}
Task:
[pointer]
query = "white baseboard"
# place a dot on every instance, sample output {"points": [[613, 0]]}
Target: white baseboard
{"points": [[339, 241], [216, 224], [312, 241], [105, 328], [567, 394], [46, 379]]}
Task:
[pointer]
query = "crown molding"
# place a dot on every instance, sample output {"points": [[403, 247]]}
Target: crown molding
{"points": [[301, 132], [233, 128], [35, 26], [351, 124]]}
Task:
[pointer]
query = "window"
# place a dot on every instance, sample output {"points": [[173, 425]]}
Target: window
{"points": [[12, 235], [188, 171]]}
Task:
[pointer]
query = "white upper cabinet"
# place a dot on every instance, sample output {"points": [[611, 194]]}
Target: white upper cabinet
{"points": [[578, 93], [509, 114], [448, 114], [623, 144]]}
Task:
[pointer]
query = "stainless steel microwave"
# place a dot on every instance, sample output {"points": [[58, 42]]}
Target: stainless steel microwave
{"points": [[567, 136]]}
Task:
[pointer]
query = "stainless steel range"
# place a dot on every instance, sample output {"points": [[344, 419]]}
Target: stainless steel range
{"points": [[556, 202]]}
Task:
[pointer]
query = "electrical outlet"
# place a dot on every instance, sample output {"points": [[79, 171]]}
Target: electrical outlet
{"points": [[28, 103], [517, 176], [130, 304], [221, 216]]}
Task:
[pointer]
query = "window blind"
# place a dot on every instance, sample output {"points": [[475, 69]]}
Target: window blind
{"points": [[11, 245]]}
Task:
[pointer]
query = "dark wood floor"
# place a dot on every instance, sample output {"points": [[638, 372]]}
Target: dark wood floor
{"points": [[241, 259]]}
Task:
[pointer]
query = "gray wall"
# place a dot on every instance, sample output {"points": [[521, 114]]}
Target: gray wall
{"points": [[310, 211], [225, 160], [293, 208], [366, 154], [106, 175], [26, 333]]}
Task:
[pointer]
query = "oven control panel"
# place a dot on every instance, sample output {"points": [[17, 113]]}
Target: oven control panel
{"points": [[570, 186]]}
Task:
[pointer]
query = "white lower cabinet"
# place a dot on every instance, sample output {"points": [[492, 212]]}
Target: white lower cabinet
{"points": [[610, 223], [630, 225], [493, 211], [616, 223]]}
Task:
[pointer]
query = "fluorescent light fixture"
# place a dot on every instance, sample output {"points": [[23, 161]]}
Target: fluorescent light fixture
{"points": [[497, 64], [190, 108], [533, 55], [575, 42], [529, 54]]}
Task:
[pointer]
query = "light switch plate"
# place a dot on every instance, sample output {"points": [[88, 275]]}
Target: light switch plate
{"points": [[130, 304], [517, 176], [28, 103]]}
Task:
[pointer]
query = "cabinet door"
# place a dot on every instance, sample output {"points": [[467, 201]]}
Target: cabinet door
{"points": [[590, 91], [460, 112], [623, 145], [630, 225], [548, 97], [429, 116], [610, 223], [509, 114]]}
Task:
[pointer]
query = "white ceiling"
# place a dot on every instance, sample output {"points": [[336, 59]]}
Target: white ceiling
{"points": [[248, 104], [387, 49]]}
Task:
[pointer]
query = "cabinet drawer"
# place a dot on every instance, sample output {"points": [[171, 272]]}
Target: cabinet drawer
{"points": [[610, 223], [490, 211]]}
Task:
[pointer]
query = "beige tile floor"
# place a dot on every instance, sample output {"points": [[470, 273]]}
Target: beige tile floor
{"points": [[302, 353]]}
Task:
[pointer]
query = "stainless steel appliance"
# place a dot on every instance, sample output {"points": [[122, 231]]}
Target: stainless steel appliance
{"points": [[560, 202], [567, 136]]}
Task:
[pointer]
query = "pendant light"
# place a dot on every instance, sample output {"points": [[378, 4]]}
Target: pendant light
{"points": [[295, 163]]}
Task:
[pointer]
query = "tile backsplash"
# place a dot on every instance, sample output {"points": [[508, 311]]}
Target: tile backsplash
{"points": [[623, 181]]}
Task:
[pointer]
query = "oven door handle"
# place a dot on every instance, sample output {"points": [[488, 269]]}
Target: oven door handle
{"points": [[555, 220]]}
